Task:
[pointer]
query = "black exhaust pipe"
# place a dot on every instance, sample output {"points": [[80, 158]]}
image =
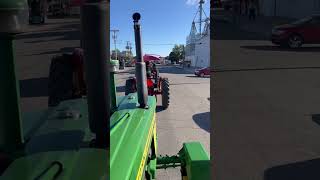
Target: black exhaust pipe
{"points": [[141, 74], [95, 36]]}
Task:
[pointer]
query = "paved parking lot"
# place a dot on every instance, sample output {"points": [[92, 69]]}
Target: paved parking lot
{"points": [[265, 108]]}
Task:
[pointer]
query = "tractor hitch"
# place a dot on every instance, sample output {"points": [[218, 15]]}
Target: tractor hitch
{"points": [[192, 159]]}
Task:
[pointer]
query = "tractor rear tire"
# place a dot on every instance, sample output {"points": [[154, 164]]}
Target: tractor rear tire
{"points": [[165, 92], [60, 80], [130, 86]]}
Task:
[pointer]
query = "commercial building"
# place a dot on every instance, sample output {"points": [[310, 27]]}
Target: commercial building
{"points": [[282, 8]]}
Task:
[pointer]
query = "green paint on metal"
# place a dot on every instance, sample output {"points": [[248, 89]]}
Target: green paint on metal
{"points": [[83, 164], [196, 160], [151, 168], [129, 136], [114, 62], [12, 4], [63, 136], [66, 128], [114, 65], [11, 134]]}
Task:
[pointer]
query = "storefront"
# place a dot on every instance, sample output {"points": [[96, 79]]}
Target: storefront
{"points": [[245, 4], [290, 8]]}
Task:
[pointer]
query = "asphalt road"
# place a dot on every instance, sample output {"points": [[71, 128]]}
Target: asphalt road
{"points": [[265, 108], [187, 118]]}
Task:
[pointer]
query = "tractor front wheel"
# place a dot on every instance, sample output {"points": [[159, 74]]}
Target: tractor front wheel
{"points": [[165, 92]]}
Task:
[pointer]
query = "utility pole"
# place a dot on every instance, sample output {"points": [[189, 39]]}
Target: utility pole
{"points": [[200, 15], [127, 47], [114, 37], [130, 47]]}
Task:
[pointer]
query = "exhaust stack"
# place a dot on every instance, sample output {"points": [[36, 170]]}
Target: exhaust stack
{"points": [[140, 65], [13, 20], [95, 36]]}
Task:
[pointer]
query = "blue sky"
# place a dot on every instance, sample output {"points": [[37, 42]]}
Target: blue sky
{"points": [[162, 22]]}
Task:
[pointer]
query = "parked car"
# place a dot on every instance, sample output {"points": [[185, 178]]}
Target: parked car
{"points": [[294, 35], [202, 72]]}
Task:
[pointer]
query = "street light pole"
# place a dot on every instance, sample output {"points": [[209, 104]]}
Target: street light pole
{"points": [[184, 55], [114, 37]]}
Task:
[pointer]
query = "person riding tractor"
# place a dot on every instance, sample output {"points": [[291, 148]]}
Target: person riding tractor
{"points": [[152, 70], [156, 85]]}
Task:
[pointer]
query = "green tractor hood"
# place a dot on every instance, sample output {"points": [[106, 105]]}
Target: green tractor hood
{"points": [[60, 165], [131, 135]]}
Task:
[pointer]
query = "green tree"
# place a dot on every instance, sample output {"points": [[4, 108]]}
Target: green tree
{"points": [[177, 53]]}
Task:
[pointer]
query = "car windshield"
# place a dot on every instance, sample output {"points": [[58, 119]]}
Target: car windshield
{"points": [[302, 21]]}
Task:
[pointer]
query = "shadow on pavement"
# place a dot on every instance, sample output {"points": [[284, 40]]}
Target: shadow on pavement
{"points": [[197, 76], [278, 48], [64, 35], [203, 120], [36, 87], [65, 32], [61, 51], [296, 171], [175, 84], [316, 118]]}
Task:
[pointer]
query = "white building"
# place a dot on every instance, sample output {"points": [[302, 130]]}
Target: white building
{"points": [[289, 8], [197, 50], [198, 47]]}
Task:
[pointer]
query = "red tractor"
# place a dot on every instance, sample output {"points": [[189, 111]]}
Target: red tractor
{"points": [[156, 85]]}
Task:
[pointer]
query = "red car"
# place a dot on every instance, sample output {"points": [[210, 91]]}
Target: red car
{"points": [[293, 35], [202, 72]]}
